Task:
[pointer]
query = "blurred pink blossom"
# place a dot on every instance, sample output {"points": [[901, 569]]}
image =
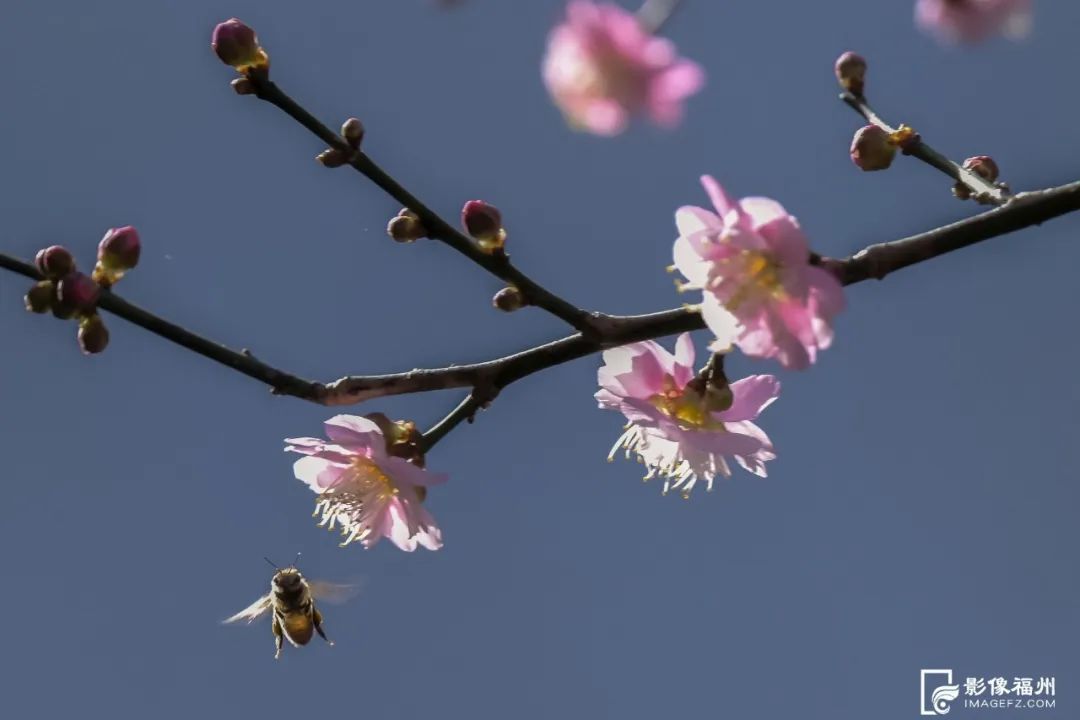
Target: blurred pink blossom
{"points": [[370, 493], [677, 428], [971, 21], [752, 262], [601, 67]]}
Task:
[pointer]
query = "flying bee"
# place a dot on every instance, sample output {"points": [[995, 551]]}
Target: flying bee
{"points": [[291, 602]]}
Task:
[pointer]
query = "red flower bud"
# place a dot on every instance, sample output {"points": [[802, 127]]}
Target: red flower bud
{"points": [[872, 148], [39, 298], [850, 72], [76, 294], [54, 262], [484, 222], [236, 44], [93, 336], [983, 166]]}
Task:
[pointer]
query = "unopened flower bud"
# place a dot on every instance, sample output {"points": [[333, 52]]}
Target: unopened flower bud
{"points": [[54, 262], [961, 191], [509, 299], [872, 148], [332, 158], [118, 252], [39, 298], [93, 335], [406, 228], [76, 294], [243, 86], [850, 71], [484, 223], [120, 248], [983, 166], [353, 131], [236, 44]]}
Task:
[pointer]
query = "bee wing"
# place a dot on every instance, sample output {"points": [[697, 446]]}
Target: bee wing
{"points": [[333, 592], [252, 612]]}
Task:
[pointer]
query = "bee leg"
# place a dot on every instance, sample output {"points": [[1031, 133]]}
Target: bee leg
{"points": [[316, 616], [279, 636]]}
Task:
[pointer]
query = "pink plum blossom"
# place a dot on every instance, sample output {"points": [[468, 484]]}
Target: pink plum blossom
{"points": [[971, 21], [752, 262], [601, 67], [677, 428], [370, 493]]}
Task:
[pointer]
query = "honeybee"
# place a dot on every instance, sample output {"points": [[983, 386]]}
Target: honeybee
{"points": [[291, 602]]}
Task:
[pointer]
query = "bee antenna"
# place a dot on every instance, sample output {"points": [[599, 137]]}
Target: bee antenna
{"points": [[271, 563], [297, 560]]}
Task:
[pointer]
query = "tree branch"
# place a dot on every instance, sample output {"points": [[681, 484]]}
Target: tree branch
{"points": [[654, 14], [281, 382], [981, 189], [498, 264], [489, 377], [873, 262]]}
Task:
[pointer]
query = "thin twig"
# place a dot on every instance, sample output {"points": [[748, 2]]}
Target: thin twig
{"points": [[981, 189], [498, 264], [466, 410], [654, 14], [281, 382]]}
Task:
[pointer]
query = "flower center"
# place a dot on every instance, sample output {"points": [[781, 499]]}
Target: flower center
{"points": [[604, 73], [686, 406], [757, 278], [369, 480]]}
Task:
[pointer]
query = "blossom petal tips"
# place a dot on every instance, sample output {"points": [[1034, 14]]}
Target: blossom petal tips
{"points": [[684, 427], [602, 67], [973, 21], [365, 486], [760, 292]]}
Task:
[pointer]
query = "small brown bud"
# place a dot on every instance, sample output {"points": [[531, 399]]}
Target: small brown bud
{"points": [[332, 158], [93, 336], [243, 86], [961, 191], [39, 298], [983, 166], [509, 299], [872, 148], [850, 72], [54, 262], [353, 131], [405, 228]]}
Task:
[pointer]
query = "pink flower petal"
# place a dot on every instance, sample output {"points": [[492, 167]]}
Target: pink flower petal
{"points": [[633, 370], [827, 291], [752, 395], [724, 325], [604, 117], [683, 369], [691, 220], [678, 82], [317, 473], [690, 264], [354, 430], [719, 198], [406, 474]]}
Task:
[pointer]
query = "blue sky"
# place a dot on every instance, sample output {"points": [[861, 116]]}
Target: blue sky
{"points": [[921, 513]]}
